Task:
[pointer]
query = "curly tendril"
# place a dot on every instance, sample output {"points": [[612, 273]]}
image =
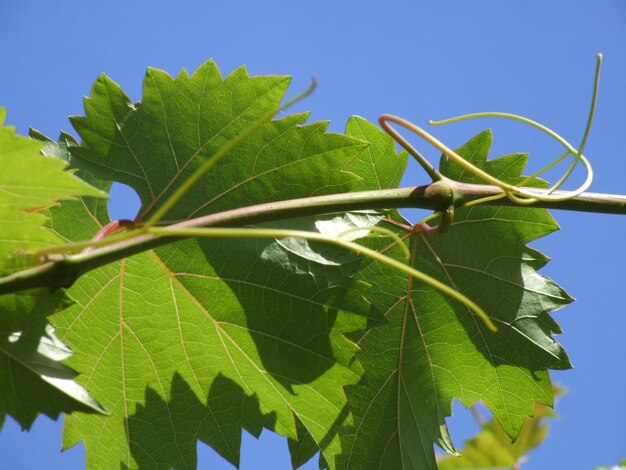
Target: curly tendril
{"points": [[514, 192]]}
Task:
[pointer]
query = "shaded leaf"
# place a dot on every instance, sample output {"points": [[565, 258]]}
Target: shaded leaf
{"points": [[321, 259], [434, 350], [379, 167], [34, 377], [344, 226]]}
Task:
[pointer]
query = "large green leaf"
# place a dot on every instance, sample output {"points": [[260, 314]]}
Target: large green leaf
{"points": [[434, 350], [31, 356], [198, 339]]}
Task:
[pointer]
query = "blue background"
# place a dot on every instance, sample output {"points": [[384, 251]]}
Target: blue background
{"points": [[419, 59]]}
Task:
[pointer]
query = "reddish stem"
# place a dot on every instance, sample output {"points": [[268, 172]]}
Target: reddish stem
{"points": [[112, 227], [417, 228]]}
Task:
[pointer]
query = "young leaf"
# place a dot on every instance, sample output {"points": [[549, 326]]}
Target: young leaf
{"points": [[31, 356], [492, 447], [621, 466], [209, 333], [26, 193], [434, 350]]}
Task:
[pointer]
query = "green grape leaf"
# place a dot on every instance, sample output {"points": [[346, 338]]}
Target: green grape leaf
{"points": [[491, 447], [433, 350], [204, 337], [33, 377], [379, 167], [25, 194]]}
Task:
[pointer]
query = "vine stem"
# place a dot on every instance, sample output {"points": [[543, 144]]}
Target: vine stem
{"points": [[61, 270]]}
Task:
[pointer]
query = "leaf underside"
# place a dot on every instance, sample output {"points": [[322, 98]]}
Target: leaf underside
{"points": [[434, 350], [202, 338], [33, 378]]}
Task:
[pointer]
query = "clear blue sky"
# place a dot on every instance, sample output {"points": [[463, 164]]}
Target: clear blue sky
{"points": [[419, 59]]}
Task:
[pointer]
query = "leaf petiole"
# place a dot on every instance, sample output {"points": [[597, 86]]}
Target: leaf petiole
{"points": [[425, 164], [85, 244]]}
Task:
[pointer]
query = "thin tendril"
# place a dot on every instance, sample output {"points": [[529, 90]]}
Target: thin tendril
{"points": [[513, 192], [550, 165], [356, 248], [436, 215], [301, 96], [383, 231], [76, 246], [578, 156], [592, 111]]}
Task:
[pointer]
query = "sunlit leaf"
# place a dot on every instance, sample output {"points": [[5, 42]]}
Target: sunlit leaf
{"points": [[202, 338], [33, 377]]}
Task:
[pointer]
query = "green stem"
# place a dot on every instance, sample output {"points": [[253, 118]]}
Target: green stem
{"points": [[82, 245], [60, 270], [425, 164]]}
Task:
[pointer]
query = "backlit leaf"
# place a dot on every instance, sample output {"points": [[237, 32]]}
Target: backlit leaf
{"points": [[198, 339], [33, 377]]}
